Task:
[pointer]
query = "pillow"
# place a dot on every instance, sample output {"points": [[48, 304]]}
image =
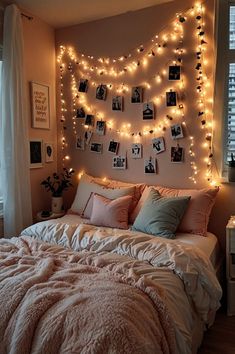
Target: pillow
{"points": [[160, 216], [110, 213], [82, 203], [139, 188], [196, 217]]}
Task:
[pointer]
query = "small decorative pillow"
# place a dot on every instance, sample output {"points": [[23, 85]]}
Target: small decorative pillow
{"points": [[82, 202], [160, 216], [110, 213]]}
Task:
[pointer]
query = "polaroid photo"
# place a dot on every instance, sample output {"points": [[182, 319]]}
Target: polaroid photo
{"points": [[177, 154], [174, 72], [113, 147], [171, 99], [117, 103], [158, 145], [80, 113], [96, 147], [83, 85], [87, 137], [80, 143], [137, 94], [148, 110], [101, 92], [150, 165], [49, 152], [100, 127], [89, 120], [136, 151], [177, 131], [119, 163]]}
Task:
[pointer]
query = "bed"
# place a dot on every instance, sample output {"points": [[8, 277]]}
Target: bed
{"points": [[73, 287]]}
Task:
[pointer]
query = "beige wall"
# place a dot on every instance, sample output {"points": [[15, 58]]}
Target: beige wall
{"points": [[39, 43], [128, 31]]}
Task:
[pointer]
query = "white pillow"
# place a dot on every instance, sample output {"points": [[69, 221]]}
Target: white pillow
{"points": [[82, 203]]}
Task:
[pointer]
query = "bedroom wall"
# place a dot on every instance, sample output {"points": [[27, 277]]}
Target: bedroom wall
{"points": [[39, 50], [113, 37]]}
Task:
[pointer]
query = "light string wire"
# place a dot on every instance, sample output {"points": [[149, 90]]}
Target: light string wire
{"points": [[126, 132]]}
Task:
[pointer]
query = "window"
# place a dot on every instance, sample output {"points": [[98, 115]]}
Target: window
{"points": [[1, 199], [230, 126]]}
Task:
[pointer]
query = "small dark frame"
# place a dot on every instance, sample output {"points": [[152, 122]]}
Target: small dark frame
{"points": [[101, 92], [171, 99], [83, 85], [35, 147], [174, 72], [177, 154]]}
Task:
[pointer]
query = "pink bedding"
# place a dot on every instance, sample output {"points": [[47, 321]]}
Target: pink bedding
{"points": [[55, 300]]}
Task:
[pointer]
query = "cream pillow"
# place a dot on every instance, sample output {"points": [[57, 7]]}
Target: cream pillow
{"points": [[82, 203]]}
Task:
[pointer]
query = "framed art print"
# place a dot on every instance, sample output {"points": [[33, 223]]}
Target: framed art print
{"points": [[35, 148], [49, 152], [40, 106]]}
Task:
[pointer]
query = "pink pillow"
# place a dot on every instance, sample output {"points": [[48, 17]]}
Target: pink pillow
{"points": [[110, 213], [196, 217]]}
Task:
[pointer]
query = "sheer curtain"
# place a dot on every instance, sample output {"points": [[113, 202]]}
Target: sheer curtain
{"points": [[17, 209], [1, 199]]}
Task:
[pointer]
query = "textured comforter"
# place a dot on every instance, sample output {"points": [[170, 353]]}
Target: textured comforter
{"points": [[123, 292]]}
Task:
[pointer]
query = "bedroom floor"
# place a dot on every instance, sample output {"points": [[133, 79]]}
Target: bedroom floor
{"points": [[220, 339]]}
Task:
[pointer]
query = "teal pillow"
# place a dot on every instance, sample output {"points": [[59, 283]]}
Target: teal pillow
{"points": [[160, 216]]}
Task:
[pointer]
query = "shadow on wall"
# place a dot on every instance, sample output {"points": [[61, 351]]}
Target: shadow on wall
{"points": [[223, 209]]}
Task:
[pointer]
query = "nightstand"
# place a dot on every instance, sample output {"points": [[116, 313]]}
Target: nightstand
{"points": [[51, 216], [230, 266]]}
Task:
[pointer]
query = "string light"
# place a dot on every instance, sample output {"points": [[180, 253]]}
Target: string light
{"points": [[127, 64]]}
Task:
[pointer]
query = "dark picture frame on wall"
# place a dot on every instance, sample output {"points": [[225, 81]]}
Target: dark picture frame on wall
{"points": [[171, 99], [174, 72], [49, 152], [35, 148]]}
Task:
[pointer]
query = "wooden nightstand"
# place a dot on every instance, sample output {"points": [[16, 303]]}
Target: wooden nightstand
{"points": [[51, 216], [230, 266]]}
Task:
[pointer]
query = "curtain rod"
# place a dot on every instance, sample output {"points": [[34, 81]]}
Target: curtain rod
{"points": [[26, 16]]}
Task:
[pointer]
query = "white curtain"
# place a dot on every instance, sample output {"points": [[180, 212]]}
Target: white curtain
{"points": [[17, 209]]}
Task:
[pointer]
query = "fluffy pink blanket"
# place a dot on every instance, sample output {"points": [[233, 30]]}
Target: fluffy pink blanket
{"points": [[55, 300]]}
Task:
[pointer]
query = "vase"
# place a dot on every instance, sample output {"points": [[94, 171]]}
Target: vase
{"points": [[57, 205]]}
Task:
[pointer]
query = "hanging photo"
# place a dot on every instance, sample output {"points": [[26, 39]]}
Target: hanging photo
{"points": [[174, 72], [83, 85], [87, 137], [119, 162], [117, 103], [96, 147], [177, 131], [158, 145], [101, 92], [80, 143], [136, 151], [113, 147], [171, 99], [35, 147], [136, 94], [89, 120], [150, 166], [81, 113], [148, 110], [100, 127], [177, 154], [49, 152]]}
